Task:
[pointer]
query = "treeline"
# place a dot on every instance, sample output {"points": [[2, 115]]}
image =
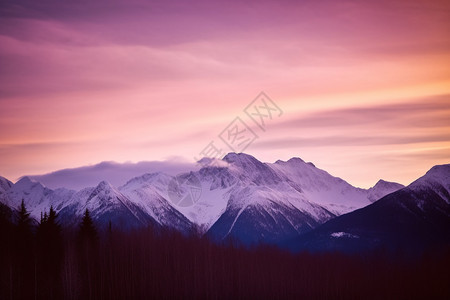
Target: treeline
{"points": [[46, 261]]}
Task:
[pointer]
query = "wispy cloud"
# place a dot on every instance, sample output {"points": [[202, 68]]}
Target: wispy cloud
{"points": [[429, 112], [115, 173]]}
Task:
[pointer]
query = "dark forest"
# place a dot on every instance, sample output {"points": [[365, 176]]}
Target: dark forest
{"points": [[45, 261]]}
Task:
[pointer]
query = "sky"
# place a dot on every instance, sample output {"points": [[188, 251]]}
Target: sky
{"points": [[359, 88]]}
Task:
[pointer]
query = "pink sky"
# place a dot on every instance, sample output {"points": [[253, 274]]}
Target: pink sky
{"points": [[364, 85]]}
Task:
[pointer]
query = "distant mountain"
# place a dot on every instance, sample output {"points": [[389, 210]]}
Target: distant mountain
{"points": [[412, 219], [263, 206], [238, 197], [333, 193], [106, 204], [5, 185], [273, 202], [104, 201], [36, 197], [381, 189], [145, 193]]}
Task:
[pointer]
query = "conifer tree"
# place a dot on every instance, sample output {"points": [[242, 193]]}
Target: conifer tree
{"points": [[88, 232], [49, 228], [24, 233], [23, 252], [24, 220], [50, 253], [87, 255]]}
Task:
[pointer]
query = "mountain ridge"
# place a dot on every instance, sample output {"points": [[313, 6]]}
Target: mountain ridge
{"points": [[241, 198], [412, 219]]}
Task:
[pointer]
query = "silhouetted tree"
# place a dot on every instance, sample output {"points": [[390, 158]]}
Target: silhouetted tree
{"points": [[23, 221], [88, 231], [49, 229], [150, 263], [5, 223], [23, 253], [50, 255], [88, 256], [6, 250]]}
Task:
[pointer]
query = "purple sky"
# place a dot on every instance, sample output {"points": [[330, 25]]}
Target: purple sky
{"points": [[363, 85]]}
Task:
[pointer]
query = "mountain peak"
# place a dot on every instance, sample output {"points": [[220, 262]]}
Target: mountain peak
{"points": [[103, 192], [104, 185], [24, 179], [5, 184], [256, 171], [383, 184], [439, 174], [383, 188], [292, 160], [26, 182], [296, 160], [234, 157], [439, 170], [381, 181]]}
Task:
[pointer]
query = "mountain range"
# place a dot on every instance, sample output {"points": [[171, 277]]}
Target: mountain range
{"points": [[411, 219], [289, 203]]}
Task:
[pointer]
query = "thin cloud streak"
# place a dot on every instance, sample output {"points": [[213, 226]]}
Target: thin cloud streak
{"points": [[433, 111], [344, 141]]}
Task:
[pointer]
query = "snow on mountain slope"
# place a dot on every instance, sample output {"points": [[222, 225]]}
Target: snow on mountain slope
{"points": [[411, 220], [37, 198], [263, 206], [158, 181], [333, 193], [251, 169], [381, 189], [145, 191], [291, 196], [437, 178], [106, 204], [150, 191], [272, 202], [209, 207], [263, 214], [104, 201], [5, 185], [220, 180]]}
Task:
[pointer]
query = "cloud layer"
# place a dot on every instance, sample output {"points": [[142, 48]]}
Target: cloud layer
{"points": [[115, 173]]}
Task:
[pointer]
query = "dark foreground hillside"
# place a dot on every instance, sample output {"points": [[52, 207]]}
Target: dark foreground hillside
{"points": [[46, 262]]}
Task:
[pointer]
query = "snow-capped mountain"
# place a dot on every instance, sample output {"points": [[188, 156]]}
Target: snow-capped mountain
{"points": [[145, 193], [5, 185], [263, 206], [37, 197], [257, 214], [332, 193], [106, 204], [382, 188], [412, 219], [272, 202], [239, 197]]}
